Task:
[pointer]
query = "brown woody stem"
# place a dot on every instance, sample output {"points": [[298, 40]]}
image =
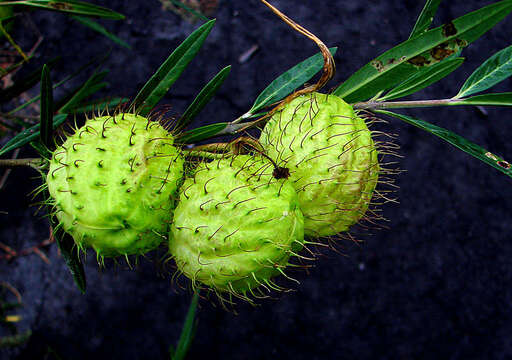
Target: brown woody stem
{"points": [[32, 162]]}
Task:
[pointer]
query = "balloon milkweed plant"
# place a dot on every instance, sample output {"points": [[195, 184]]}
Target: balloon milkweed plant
{"points": [[303, 168]]}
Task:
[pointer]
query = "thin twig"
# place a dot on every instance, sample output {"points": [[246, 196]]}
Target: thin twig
{"points": [[35, 163], [36, 249], [5, 176], [13, 290]]}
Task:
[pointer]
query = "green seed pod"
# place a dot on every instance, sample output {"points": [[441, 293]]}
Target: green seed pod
{"points": [[332, 160], [113, 182], [236, 226]]}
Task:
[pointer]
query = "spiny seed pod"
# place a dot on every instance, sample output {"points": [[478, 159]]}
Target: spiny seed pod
{"points": [[332, 160], [112, 184], [236, 226]]}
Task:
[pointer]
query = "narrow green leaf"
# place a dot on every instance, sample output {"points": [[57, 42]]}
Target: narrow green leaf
{"points": [[11, 68], [409, 57], [187, 333], [203, 98], [161, 81], [457, 141], [289, 81], [171, 350], [92, 85], [101, 29], [26, 83], [496, 99], [70, 6], [69, 251], [201, 133], [46, 109], [424, 78], [30, 134], [425, 18], [494, 70], [190, 10]]}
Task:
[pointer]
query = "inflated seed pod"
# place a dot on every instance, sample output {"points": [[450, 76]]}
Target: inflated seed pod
{"points": [[332, 160], [113, 184], [236, 226]]}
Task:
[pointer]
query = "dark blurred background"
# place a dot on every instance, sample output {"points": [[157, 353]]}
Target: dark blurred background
{"points": [[435, 285]]}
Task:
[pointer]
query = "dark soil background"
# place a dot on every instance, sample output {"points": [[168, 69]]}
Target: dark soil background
{"points": [[435, 285]]}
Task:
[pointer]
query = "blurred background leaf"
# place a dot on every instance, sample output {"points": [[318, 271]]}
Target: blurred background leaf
{"points": [[69, 6], [90, 23], [46, 116]]}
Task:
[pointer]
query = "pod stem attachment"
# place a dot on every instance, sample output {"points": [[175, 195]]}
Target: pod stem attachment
{"points": [[329, 68], [328, 71]]}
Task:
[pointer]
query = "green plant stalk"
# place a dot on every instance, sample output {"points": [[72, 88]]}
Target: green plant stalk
{"points": [[235, 127], [376, 105]]}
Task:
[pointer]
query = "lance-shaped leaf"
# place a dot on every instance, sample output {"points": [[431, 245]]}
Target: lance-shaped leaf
{"points": [[424, 78], [160, 83], [203, 98], [70, 6], [68, 249], [190, 10], [409, 57], [496, 99], [288, 82], [46, 109], [458, 141], [188, 331], [425, 18], [494, 70], [101, 29], [30, 134], [202, 133]]}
